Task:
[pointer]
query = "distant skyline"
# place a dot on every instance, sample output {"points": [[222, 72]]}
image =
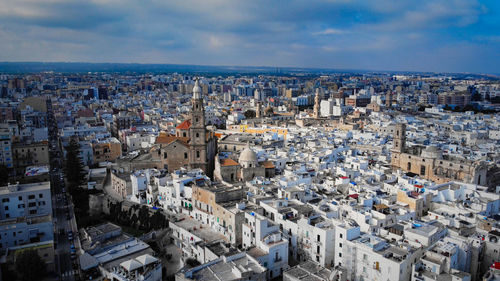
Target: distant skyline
{"points": [[428, 35]]}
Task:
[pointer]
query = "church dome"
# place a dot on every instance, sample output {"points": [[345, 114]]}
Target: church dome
{"points": [[432, 152], [248, 155], [196, 90]]}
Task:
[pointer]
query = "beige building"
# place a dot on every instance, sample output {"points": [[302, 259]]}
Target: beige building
{"points": [[33, 154], [171, 151], [107, 150], [417, 202], [121, 184], [430, 163], [219, 204]]}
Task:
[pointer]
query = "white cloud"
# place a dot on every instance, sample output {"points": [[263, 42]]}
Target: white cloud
{"points": [[330, 31]]}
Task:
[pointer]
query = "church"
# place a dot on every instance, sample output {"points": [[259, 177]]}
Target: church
{"points": [[192, 146], [247, 168], [430, 163]]}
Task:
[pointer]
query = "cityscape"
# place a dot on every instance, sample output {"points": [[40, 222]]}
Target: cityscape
{"points": [[214, 141]]}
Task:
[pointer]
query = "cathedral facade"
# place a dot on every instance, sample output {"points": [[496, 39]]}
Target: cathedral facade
{"points": [[192, 146], [429, 162]]}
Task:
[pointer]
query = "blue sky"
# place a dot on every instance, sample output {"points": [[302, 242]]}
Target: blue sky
{"points": [[423, 35]]}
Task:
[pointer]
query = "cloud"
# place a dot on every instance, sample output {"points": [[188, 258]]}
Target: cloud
{"points": [[317, 33], [330, 31]]}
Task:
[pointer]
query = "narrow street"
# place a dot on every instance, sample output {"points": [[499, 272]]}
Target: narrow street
{"points": [[65, 230]]}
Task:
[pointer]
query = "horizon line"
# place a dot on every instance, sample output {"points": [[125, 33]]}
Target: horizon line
{"points": [[346, 70]]}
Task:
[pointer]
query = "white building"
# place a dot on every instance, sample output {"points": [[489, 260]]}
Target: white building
{"points": [[269, 247], [139, 182], [144, 268], [139, 141], [26, 218], [317, 240]]}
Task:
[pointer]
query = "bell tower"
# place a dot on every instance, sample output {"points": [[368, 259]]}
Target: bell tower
{"points": [[198, 132], [399, 138], [316, 105]]}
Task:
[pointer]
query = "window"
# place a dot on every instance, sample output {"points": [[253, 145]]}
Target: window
{"points": [[340, 245], [31, 197], [422, 170], [164, 155], [197, 154], [408, 167], [197, 135], [341, 235], [340, 254], [40, 195], [6, 208], [365, 257], [20, 198], [32, 212], [5, 200], [185, 155], [319, 237]]}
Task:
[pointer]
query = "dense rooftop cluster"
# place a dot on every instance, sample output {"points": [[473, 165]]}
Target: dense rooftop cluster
{"points": [[333, 177]]}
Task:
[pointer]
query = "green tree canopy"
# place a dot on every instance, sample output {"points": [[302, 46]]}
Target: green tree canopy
{"points": [[29, 266], [75, 174], [249, 114], [4, 175]]}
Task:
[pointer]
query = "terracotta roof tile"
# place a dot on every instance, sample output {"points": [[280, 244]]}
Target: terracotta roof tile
{"points": [[228, 162], [184, 125], [268, 165], [165, 138]]}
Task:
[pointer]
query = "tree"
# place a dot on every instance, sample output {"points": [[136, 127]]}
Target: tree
{"points": [[75, 174], [4, 175], [249, 114], [30, 266]]}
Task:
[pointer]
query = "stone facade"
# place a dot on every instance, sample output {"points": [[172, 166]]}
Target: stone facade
{"points": [[226, 218], [121, 184], [429, 163], [192, 145]]}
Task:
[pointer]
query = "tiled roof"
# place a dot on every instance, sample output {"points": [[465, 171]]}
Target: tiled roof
{"points": [[165, 138], [268, 165], [228, 162], [184, 125]]}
